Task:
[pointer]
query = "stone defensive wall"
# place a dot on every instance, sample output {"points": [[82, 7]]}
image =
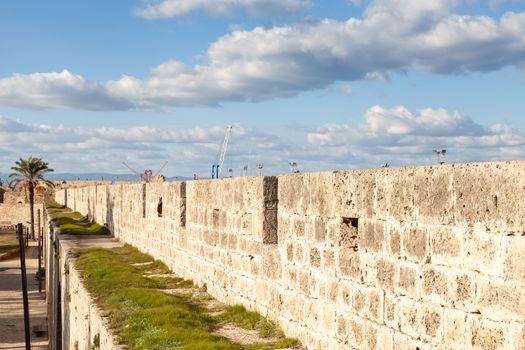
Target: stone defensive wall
{"points": [[12, 214], [407, 258]]}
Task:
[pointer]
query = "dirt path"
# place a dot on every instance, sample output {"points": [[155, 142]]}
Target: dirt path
{"points": [[11, 307]]}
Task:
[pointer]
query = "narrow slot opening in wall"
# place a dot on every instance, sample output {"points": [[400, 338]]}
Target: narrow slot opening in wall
{"points": [[349, 233], [159, 208]]}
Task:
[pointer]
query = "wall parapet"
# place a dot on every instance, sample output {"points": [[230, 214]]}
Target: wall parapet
{"points": [[381, 258]]}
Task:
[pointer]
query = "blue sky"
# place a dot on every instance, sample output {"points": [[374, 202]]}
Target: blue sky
{"points": [[331, 84]]}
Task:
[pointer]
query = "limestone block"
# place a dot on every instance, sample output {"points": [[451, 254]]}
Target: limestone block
{"points": [[371, 333], [446, 245], [438, 287], [320, 194], [276, 299], [465, 286], [344, 295], [385, 338], [356, 332], [298, 228], [391, 313], [315, 258], [320, 230], [394, 194], [299, 253], [368, 268], [304, 283], [433, 194], [491, 193], [385, 273], [374, 304], [409, 283], [328, 261], [486, 334], [454, 328], [294, 304], [289, 253], [342, 328], [328, 318], [349, 264], [501, 301], [332, 290], [513, 265], [483, 251], [371, 235], [401, 341], [293, 193], [415, 243], [411, 317], [394, 240], [358, 300], [432, 323]]}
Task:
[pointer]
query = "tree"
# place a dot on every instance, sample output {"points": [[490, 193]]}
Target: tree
{"points": [[30, 173]]}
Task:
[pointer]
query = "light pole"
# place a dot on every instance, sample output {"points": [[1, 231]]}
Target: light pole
{"points": [[293, 165], [440, 154]]}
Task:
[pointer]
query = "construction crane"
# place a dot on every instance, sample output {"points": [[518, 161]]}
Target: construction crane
{"points": [[216, 168], [147, 175]]}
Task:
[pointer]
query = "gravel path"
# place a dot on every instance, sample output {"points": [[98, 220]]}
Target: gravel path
{"points": [[11, 307]]}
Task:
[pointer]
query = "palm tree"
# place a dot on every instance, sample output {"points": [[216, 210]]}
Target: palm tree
{"points": [[30, 173]]}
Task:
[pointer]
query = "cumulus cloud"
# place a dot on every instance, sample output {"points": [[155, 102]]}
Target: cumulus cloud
{"points": [[401, 136], [267, 63], [189, 150], [58, 89], [176, 8], [398, 136]]}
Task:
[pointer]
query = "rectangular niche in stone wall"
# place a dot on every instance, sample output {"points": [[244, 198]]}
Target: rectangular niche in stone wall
{"points": [[349, 237]]}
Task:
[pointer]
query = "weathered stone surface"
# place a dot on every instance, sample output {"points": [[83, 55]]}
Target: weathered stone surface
{"points": [[425, 257], [415, 243]]}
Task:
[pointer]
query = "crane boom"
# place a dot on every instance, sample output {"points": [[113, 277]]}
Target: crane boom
{"points": [[162, 167], [224, 148], [133, 170]]}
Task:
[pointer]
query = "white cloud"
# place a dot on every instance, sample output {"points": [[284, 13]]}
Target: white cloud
{"points": [[99, 149], [176, 8], [57, 89], [278, 62], [388, 134], [396, 135]]}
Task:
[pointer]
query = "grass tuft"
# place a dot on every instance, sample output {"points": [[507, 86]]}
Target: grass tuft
{"points": [[73, 223]]}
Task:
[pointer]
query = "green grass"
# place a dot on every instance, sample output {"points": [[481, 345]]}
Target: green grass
{"points": [[73, 223], [8, 241], [144, 317], [240, 317]]}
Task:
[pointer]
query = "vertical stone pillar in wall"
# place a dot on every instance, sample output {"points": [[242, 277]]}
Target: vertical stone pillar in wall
{"points": [[65, 197], [183, 204], [270, 209]]}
